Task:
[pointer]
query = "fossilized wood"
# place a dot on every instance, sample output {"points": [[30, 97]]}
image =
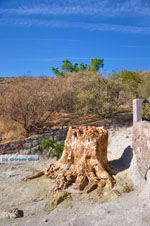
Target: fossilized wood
{"points": [[84, 161]]}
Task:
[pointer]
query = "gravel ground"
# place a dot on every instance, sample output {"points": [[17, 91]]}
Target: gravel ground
{"points": [[127, 205]]}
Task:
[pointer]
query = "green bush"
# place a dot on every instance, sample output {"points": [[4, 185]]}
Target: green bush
{"points": [[127, 76], [52, 148]]}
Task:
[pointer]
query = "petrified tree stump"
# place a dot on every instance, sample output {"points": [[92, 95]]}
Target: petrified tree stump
{"points": [[84, 163]]}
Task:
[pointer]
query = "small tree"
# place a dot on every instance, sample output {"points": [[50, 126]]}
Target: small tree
{"points": [[67, 66], [83, 67], [57, 72], [96, 64]]}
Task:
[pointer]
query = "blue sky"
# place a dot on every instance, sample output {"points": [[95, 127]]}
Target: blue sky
{"points": [[38, 34]]}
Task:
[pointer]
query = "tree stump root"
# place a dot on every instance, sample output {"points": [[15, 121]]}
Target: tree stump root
{"points": [[83, 164]]}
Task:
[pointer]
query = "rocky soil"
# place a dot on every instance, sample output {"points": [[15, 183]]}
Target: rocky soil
{"points": [[127, 204]]}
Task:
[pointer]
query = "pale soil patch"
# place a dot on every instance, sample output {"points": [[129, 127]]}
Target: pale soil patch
{"points": [[125, 205]]}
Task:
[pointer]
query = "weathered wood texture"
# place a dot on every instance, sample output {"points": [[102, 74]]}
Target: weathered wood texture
{"points": [[84, 163]]}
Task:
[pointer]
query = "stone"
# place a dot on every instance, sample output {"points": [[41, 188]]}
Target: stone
{"points": [[137, 110], [25, 152], [141, 145], [11, 214], [44, 220], [31, 145], [15, 213]]}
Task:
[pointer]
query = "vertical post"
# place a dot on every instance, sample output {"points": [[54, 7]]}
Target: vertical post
{"points": [[137, 110]]}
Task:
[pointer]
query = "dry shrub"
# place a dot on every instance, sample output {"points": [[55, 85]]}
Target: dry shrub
{"points": [[144, 92], [146, 111], [96, 95], [26, 103], [83, 74], [30, 101], [144, 87], [10, 130]]}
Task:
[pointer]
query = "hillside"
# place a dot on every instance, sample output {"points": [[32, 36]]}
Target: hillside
{"points": [[31, 105]]}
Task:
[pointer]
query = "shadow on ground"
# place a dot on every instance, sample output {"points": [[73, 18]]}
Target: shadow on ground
{"points": [[123, 162]]}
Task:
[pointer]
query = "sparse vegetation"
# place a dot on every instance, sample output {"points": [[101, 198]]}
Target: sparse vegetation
{"points": [[69, 67], [97, 95], [29, 104]]}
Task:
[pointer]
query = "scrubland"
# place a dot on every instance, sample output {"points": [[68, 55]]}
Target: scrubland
{"points": [[31, 105]]}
